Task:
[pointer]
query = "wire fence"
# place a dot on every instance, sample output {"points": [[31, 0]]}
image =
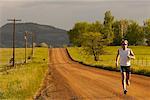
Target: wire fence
{"points": [[137, 62], [141, 61]]}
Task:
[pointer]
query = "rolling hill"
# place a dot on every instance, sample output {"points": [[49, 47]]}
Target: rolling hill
{"points": [[43, 33]]}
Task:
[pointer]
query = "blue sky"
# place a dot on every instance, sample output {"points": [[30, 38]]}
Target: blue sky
{"points": [[64, 13]]}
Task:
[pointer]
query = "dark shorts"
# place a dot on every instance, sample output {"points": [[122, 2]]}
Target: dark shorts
{"points": [[125, 69]]}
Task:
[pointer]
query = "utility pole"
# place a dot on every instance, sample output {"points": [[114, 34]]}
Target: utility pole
{"points": [[25, 44], [33, 43], [25, 38], [14, 30]]}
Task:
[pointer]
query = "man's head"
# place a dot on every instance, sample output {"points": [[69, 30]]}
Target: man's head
{"points": [[124, 43]]}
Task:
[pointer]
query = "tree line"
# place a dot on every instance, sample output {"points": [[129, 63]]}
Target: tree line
{"points": [[93, 36]]}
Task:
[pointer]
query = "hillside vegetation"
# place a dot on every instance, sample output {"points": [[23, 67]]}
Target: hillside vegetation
{"points": [[42, 33]]}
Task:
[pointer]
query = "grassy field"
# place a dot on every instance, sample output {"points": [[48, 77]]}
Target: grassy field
{"points": [[140, 65], [22, 82], [6, 55]]}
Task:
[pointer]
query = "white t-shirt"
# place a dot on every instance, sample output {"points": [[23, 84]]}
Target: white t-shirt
{"points": [[124, 60]]}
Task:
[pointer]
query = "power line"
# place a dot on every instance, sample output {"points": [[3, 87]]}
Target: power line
{"points": [[14, 38]]}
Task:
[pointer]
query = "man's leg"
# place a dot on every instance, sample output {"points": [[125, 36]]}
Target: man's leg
{"points": [[124, 82]]}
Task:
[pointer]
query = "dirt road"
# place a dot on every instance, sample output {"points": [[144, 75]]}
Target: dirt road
{"points": [[79, 82]]}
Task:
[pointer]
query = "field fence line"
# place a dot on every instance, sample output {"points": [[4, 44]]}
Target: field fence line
{"points": [[138, 61]]}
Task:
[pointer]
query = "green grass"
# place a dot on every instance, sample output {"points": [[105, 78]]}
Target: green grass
{"points": [[6, 55], [22, 82], [140, 65]]}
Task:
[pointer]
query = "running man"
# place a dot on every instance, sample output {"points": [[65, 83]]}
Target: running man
{"points": [[125, 54]]}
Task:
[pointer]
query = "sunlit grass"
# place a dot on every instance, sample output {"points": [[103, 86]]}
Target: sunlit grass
{"points": [[142, 61], [22, 82], [6, 55]]}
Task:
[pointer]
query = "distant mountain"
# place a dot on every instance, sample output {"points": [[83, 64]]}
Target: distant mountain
{"points": [[43, 33]]}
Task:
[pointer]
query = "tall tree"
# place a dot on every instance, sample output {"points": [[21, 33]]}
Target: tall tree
{"points": [[117, 33], [95, 27], [93, 44], [124, 26], [135, 34], [108, 30], [120, 30], [147, 31], [75, 34]]}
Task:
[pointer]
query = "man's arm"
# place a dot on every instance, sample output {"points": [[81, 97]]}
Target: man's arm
{"points": [[117, 59], [131, 56]]}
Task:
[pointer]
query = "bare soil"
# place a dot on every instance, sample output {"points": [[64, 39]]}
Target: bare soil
{"points": [[69, 80]]}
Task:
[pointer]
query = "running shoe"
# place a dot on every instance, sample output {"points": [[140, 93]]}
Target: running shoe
{"points": [[125, 91]]}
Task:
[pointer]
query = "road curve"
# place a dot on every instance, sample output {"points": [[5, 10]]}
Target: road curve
{"points": [[82, 82]]}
